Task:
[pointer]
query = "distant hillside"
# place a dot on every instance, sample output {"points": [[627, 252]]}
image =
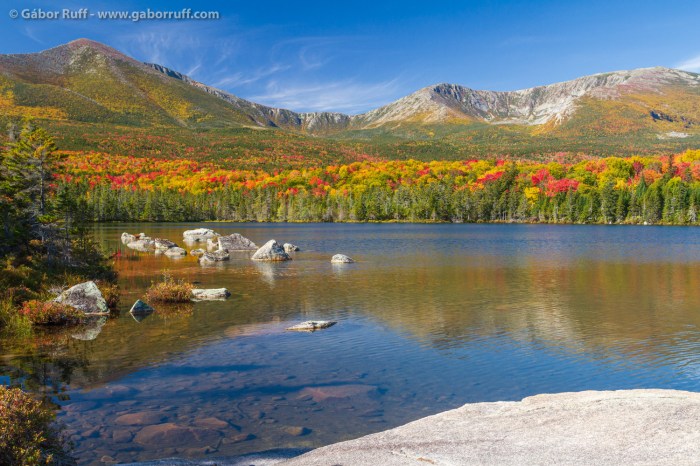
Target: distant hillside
{"points": [[85, 82]]}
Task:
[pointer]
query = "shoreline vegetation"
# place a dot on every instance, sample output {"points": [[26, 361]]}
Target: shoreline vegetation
{"points": [[613, 190], [45, 248]]}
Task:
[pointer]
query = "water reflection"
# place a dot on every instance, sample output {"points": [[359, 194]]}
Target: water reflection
{"points": [[430, 317]]}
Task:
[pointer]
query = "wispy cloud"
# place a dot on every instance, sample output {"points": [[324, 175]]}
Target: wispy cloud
{"points": [[240, 78], [344, 96], [691, 64]]}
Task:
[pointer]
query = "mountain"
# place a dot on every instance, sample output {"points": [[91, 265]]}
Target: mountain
{"points": [[88, 82]]}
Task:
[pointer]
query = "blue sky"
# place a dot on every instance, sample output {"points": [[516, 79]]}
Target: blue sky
{"points": [[356, 55]]}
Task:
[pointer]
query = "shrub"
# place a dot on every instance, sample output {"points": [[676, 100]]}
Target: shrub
{"points": [[51, 313], [27, 434], [110, 292], [169, 290], [11, 321]]}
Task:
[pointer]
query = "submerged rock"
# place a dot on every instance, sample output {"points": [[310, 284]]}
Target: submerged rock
{"points": [[197, 252], [175, 252], [162, 243], [212, 294], [341, 259], [128, 238], [331, 392], [213, 257], [312, 325], [271, 251], [86, 297], [141, 418], [289, 247], [172, 435], [199, 234], [235, 242]]}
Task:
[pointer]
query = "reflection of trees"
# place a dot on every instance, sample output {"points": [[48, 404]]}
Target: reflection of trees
{"points": [[44, 362]]}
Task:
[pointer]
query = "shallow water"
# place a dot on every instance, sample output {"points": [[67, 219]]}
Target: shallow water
{"points": [[429, 318]]}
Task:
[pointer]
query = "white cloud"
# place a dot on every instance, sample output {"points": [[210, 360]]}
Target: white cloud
{"points": [[691, 64], [341, 96]]}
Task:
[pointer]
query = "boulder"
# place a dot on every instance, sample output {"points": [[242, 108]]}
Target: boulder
{"points": [[140, 308], [312, 325], [271, 251], [289, 247], [162, 243], [341, 259], [213, 294], [197, 252], [236, 242], [213, 243], [175, 252], [143, 245], [85, 297], [128, 238], [142, 236], [213, 257], [199, 234]]}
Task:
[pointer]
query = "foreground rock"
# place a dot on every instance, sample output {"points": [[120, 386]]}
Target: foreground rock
{"points": [[236, 242], [199, 234], [601, 428], [341, 259], [213, 257], [213, 294], [271, 251], [289, 247], [197, 252], [86, 297], [312, 325]]}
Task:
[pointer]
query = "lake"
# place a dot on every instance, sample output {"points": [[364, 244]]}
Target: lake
{"points": [[429, 317]]}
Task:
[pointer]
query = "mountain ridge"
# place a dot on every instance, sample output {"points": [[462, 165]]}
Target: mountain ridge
{"points": [[114, 87]]}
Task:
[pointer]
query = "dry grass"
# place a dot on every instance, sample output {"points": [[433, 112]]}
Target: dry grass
{"points": [[169, 290]]}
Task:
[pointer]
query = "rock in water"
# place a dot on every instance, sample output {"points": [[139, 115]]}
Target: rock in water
{"points": [[128, 238], [271, 251], [312, 325], [162, 243], [85, 297], [289, 247], [236, 242], [175, 252], [199, 234], [213, 257], [341, 259], [214, 294], [143, 245], [140, 308], [197, 252]]}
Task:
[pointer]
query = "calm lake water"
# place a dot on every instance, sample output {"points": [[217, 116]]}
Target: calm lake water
{"points": [[429, 318]]}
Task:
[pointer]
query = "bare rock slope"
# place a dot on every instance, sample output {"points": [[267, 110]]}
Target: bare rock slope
{"points": [[601, 428]]}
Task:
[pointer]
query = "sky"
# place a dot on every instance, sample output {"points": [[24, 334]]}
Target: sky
{"points": [[353, 56]]}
